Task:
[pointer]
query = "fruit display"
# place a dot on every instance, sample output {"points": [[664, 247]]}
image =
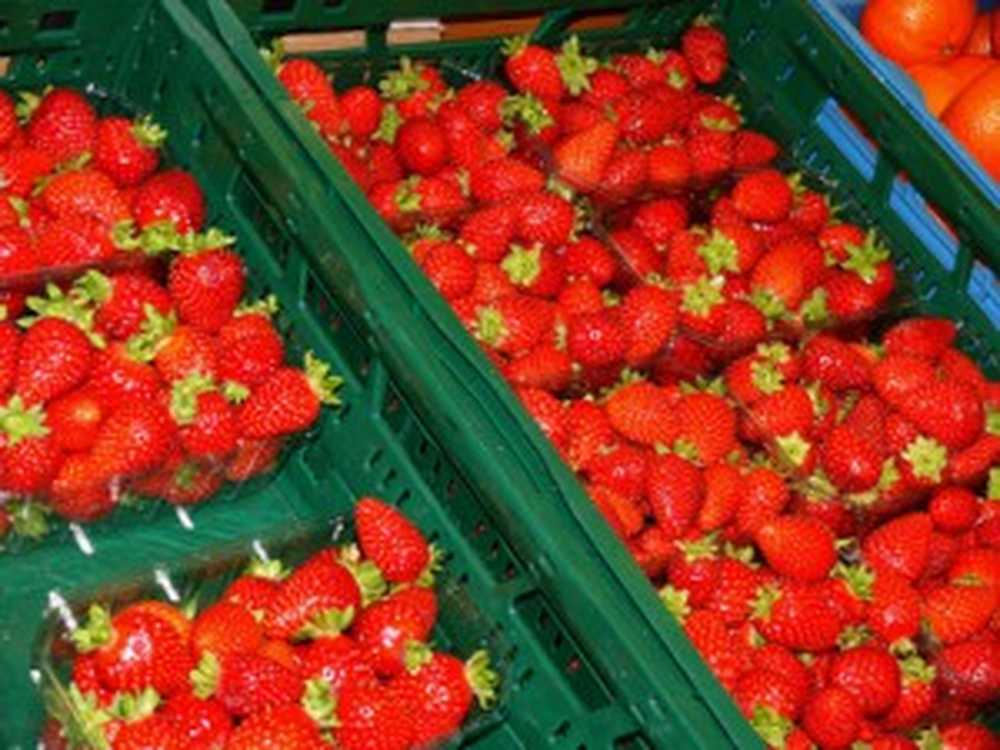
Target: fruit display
{"points": [[336, 649], [807, 477], [131, 364], [953, 55]]}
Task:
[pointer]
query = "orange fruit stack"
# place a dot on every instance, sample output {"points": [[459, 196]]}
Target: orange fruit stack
{"points": [[953, 55]]}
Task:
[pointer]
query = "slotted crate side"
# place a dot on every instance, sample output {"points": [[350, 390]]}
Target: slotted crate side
{"points": [[376, 444], [796, 56]]}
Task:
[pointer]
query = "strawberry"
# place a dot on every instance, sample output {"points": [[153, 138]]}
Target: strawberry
{"points": [[388, 630], [29, 456], [421, 145], [16, 253], [710, 153], [544, 367], [832, 718], [225, 628], [482, 101], [361, 109], [693, 568], [706, 51], [971, 465], [674, 490], [955, 612], [917, 695], [707, 632], [723, 490], [763, 689], [835, 363], [321, 597], [544, 218], [894, 610], [487, 232], [637, 258], [206, 421], [87, 192], [122, 300], [256, 588], [548, 412], [850, 461], [948, 411], [589, 432], [170, 196], [901, 545], [965, 736], [954, 509], [871, 675], [202, 723], [135, 650], [450, 269], [753, 149], [134, 439], [441, 693], [284, 727], [596, 339], [763, 196], [54, 357], [532, 69], [254, 349], [707, 425], [920, 337], [969, 671], [670, 166], [640, 70], [582, 158], [372, 717], [643, 413], [784, 412], [798, 547], [79, 492], [62, 123], [659, 219], [765, 496], [245, 683], [22, 167], [513, 324], [649, 315], [128, 151], [9, 126], [206, 286], [338, 661], [391, 541], [640, 118], [501, 178], [797, 616], [977, 565], [288, 401], [150, 731], [897, 376], [10, 342]]}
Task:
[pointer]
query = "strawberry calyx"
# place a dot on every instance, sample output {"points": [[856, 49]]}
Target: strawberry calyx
{"points": [[992, 420], [699, 297], [205, 676], [274, 55], [927, 458], [764, 600], [527, 109], [482, 679], [407, 198], [320, 703], [720, 253], [133, 707], [514, 45], [814, 310], [369, 578], [860, 579], [57, 304], [400, 84], [792, 449], [766, 377], [155, 329], [434, 565], [864, 259], [96, 633], [28, 519], [267, 306], [686, 450], [853, 636], [327, 624], [149, 133], [323, 384], [772, 727], [184, 396], [272, 570], [233, 392], [80, 716], [490, 326], [523, 264], [20, 422], [993, 484], [770, 304], [192, 243], [575, 67], [703, 548], [915, 669], [93, 286], [28, 102], [930, 739], [388, 125], [676, 602], [817, 486], [416, 655]]}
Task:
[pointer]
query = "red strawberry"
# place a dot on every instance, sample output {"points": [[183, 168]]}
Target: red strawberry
{"points": [[835, 363], [85, 192], [970, 671], [544, 367], [135, 650], [202, 723], [711, 156], [514, 324], [752, 149], [128, 151], [894, 610], [246, 683], [898, 375], [338, 661], [596, 339], [871, 675], [589, 431], [966, 736], [832, 718], [284, 727], [29, 456], [948, 411], [206, 420], [533, 69], [63, 124], [706, 51], [762, 689], [797, 616], [954, 509], [534, 270], [763, 196], [917, 695], [206, 286], [501, 178], [372, 717], [54, 357], [421, 145], [798, 547], [674, 490], [920, 337], [450, 269], [170, 196], [391, 541], [122, 300], [670, 166], [225, 628], [151, 731], [441, 691], [487, 232], [17, 256], [901, 545], [582, 158], [955, 612], [765, 496], [22, 167], [79, 491], [389, 629], [851, 462], [135, 438], [361, 109], [707, 425], [253, 348], [288, 401], [643, 413], [548, 412]]}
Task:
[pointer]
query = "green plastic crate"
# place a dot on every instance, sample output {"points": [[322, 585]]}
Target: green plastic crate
{"points": [[577, 674], [797, 82]]}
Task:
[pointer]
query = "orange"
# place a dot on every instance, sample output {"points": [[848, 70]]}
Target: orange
{"points": [[979, 42], [940, 83], [916, 31], [974, 119]]}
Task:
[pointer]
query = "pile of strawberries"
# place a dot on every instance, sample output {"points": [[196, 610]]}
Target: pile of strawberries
{"points": [[698, 336], [149, 377], [283, 660]]}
